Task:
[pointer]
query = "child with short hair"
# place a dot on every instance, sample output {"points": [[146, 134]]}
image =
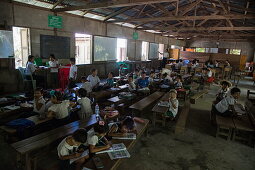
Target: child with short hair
{"points": [[85, 103], [143, 82], [226, 106], [131, 84], [86, 85], [223, 91], [53, 62], [151, 77], [110, 80], [72, 74], [178, 82], [94, 79], [69, 149], [136, 75], [39, 102], [173, 104], [122, 128], [96, 139]]}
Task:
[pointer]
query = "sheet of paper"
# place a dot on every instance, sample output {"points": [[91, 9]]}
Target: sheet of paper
{"points": [[85, 153]]}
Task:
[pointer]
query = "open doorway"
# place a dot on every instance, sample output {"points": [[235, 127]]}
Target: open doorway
{"points": [[83, 48], [145, 51], [121, 49], [22, 45]]}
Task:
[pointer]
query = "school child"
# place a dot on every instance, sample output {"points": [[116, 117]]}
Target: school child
{"points": [[173, 104], [86, 85], [109, 80], [123, 127], [216, 63], [85, 103], [226, 106], [227, 64], [94, 80], [167, 79], [131, 84], [178, 82], [223, 91], [70, 148], [96, 137], [72, 74], [136, 75], [53, 62], [59, 109], [208, 75], [39, 102], [151, 77], [143, 82], [121, 70]]}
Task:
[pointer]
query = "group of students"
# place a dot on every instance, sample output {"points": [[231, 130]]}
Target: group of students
{"points": [[83, 143]]}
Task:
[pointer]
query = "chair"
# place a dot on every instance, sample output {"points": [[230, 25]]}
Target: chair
{"points": [[227, 72], [25, 81]]}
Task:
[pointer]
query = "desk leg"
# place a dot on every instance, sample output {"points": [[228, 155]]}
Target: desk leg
{"points": [[154, 118], [28, 162]]}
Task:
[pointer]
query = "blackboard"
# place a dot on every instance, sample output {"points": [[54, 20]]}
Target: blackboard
{"points": [[105, 48], [153, 51], [6, 44], [57, 45]]}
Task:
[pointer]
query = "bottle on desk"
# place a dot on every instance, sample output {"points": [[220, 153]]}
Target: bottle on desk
{"points": [[97, 112]]}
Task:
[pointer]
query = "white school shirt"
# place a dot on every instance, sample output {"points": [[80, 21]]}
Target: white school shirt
{"points": [[60, 109], [73, 72], [131, 86], [53, 63], [86, 109], [172, 109], [65, 149], [92, 137], [42, 110], [30, 68], [223, 93], [224, 104], [87, 86], [209, 74], [93, 80]]}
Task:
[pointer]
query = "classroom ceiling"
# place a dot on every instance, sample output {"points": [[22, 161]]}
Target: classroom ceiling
{"points": [[180, 19]]}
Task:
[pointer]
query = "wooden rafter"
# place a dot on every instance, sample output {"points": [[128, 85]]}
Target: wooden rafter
{"points": [[204, 21], [118, 12], [190, 7], [111, 4], [56, 4], [206, 28]]}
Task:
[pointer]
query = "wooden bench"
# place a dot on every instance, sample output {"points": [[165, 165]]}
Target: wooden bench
{"points": [[113, 164], [159, 111], [197, 96], [225, 126], [182, 118], [25, 149], [145, 102]]}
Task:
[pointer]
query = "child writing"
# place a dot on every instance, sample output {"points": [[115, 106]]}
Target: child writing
{"points": [[96, 139], [223, 91], [69, 149], [178, 82], [94, 80], [86, 110], [86, 85], [122, 128], [226, 106], [173, 104], [72, 74], [131, 84]]}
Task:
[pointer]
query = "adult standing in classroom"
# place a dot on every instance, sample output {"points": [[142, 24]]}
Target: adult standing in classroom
{"points": [[164, 60]]}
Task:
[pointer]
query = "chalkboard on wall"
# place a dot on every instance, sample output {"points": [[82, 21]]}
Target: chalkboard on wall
{"points": [[153, 52], [57, 45]]}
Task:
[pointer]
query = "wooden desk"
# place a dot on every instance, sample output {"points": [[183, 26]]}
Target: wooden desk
{"points": [[161, 110], [113, 164]]}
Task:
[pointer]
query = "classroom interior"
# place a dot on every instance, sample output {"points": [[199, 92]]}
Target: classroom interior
{"points": [[181, 71]]}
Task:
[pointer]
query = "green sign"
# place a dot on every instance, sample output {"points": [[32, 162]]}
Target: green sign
{"points": [[55, 21], [135, 35]]}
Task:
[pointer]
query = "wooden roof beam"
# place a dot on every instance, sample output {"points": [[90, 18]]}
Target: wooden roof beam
{"points": [[190, 7], [111, 4], [118, 12], [206, 29]]}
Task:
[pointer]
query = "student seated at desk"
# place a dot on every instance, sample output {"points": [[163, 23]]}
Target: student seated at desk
{"points": [[227, 64], [178, 82], [96, 138], [151, 77], [136, 75], [70, 148], [39, 102], [72, 74], [53, 62], [143, 82], [173, 104], [86, 85], [207, 75], [123, 127], [59, 109], [216, 63], [94, 80], [86, 110], [223, 91], [131, 84], [109, 81], [226, 106]]}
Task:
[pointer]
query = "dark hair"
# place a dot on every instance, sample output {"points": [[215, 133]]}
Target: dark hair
{"points": [[82, 92], [225, 83], [111, 73], [39, 89], [152, 72], [128, 122], [136, 70], [177, 61], [130, 77], [143, 72], [235, 90], [180, 60], [83, 78], [72, 60], [179, 76], [165, 74], [58, 95], [52, 56], [101, 128], [80, 135], [93, 70]]}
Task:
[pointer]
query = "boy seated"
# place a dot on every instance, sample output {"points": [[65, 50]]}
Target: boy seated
{"points": [[223, 91], [143, 82], [173, 104], [85, 103], [123, 127], [69, 148], [131, 84], [226, 106], [86, 85], [178, 82], [94, 80], [109, 81]]}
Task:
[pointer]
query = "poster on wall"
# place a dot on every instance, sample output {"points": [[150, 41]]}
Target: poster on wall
{"points": [[6, 44]]}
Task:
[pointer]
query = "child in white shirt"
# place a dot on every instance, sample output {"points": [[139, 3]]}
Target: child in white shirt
{"points": [[178, 83], [226, 106], [53, 62], [86, 110], [94, 79], [131, 84], [173, 104], [86, 85], [69, 148], [39, 102], [223, 91], [72, 74]]}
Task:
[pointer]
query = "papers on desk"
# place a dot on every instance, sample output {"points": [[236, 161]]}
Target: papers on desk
{"points": [[129, 136], [85, 153], [12, 107], [164, 103], [115, 147], [119, 154], [84, 168], [239, 109], [3, 99]]}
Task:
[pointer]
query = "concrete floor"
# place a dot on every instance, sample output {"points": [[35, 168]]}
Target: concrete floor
{"points": [[195, 149]]}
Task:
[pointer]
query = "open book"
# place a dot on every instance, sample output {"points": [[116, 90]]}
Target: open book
{"points": [[115, 147], [119, 154], [164, 103], [85, 153], [128, 136]]}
